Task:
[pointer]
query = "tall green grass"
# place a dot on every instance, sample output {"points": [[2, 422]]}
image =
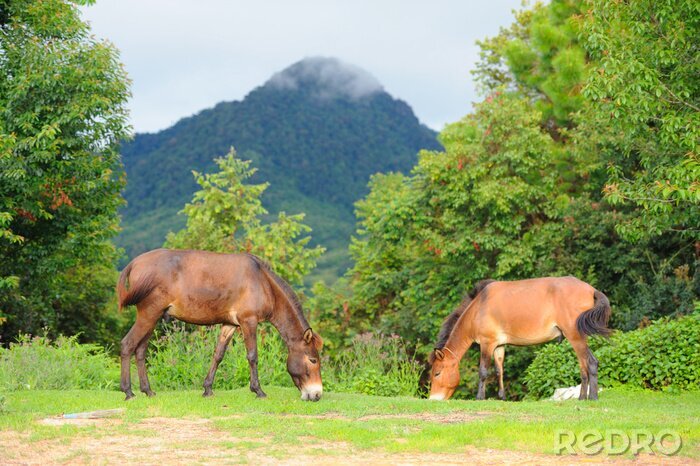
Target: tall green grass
{"points": [[180, 355], [38, 363], [374, 364]]}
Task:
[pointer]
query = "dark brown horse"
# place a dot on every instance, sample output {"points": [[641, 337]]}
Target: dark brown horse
{"points": [[205, 288], [525, 312]]}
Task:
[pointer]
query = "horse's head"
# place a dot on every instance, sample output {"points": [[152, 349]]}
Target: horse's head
{"points": [[444, 374], [304, 365]]}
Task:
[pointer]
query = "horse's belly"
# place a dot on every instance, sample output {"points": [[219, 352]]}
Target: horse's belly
{"points": [[534, 338], [199, 316]]}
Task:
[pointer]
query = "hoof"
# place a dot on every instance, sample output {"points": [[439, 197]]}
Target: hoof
{"points": [[207, 393], [261, 394], [150, 393], [129, 396]]}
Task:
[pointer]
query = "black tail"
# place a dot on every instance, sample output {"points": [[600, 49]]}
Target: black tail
{"points": [[595, 320], [133, 293]]}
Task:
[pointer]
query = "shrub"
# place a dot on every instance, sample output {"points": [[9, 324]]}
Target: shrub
{"points": [[374, 365], [180, 356], [663, 356], [667, 292], [38, 363]]}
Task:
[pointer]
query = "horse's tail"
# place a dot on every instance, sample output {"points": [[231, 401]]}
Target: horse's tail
{"points": [[595, 320], [129, 293]]}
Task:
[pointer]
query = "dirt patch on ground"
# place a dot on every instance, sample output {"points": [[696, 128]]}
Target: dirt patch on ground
{"points": [[157, 441], [446, 418]]}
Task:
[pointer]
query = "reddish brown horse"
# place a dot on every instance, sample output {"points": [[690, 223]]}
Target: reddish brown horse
{"points": [[525, 312], [205, 288]]}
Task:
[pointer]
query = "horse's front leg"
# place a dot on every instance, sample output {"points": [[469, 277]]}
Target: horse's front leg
{"points": [[487, 350], [221, 345], [249, 329]]}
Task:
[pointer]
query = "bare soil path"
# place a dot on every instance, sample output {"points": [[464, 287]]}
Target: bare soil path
{"points": [[165, 441]]}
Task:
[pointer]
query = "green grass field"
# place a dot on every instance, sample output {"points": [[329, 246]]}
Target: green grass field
{"points": [[340, 423]]}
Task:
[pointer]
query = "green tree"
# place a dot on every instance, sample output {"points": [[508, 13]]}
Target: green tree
{"points": [[490, 205], [517, 193], [225, 216], [645, 112], [62, 112], [549, 55], [540, 56]]}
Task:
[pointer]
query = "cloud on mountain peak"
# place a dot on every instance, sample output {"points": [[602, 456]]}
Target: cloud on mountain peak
{"points": [[328, 77]]}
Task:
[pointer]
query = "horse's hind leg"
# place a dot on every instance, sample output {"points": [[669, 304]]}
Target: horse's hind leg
{"points": [[498, 355], [139, 330], [582, 351], [249, 329], [592, 376], [141, 364], [487, 349], [221, 345]]}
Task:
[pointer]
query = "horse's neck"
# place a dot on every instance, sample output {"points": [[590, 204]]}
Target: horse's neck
{"points": [[286, 320], [462, 334]]}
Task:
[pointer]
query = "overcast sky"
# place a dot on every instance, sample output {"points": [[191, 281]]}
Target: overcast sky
{"points": [[184, 57]]}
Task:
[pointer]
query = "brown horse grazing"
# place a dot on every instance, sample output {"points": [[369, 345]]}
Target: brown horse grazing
{"points": [[205, 288], [525, 312]]}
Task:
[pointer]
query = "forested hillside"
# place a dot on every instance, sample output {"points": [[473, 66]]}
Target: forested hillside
{"points": [[315, 131]]}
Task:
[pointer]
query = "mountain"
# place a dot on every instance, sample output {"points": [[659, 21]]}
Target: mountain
{"points": [[316, 131]]}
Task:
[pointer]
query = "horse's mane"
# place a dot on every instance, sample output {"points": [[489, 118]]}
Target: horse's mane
{"points": [[284, 287], [451, 320]]}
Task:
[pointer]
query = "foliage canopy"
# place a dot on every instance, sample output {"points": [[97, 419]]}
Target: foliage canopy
{"points": [[62, 112]]}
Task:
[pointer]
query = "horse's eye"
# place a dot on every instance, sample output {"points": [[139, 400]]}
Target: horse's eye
{"points": [[437, 374], [313, 361]]}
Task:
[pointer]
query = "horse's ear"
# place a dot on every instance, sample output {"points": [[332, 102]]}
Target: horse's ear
{"points": [[439, 355], [308, 335]]}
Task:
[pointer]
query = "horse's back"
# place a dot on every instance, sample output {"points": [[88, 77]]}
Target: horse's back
{"points": [[533, 310], [203, 287], [192, 265], [534, 292]]}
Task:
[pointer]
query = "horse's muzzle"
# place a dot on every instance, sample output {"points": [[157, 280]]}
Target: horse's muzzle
{"points": [[311, 392]]}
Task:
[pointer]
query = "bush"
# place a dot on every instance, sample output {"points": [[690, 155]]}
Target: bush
{"points": [[663, 356], [667, 292], [38, 363], [180, 356], [374, 365]]}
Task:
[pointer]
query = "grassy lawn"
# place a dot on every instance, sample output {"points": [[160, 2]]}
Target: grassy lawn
{"points": [[363, 423]]}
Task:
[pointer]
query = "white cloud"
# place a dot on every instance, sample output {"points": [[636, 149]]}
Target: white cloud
{"points": [[330, 76], [187, 56]]}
